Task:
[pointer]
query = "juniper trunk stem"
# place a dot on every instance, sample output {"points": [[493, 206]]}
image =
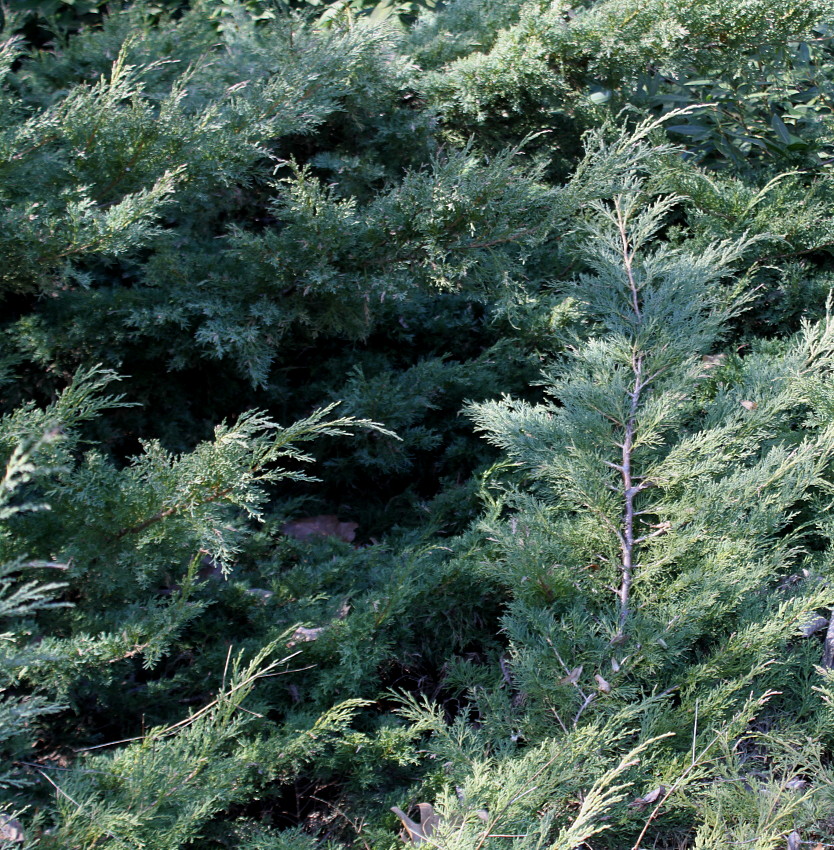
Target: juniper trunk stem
{"points": [[630, 491], [628, 259]]}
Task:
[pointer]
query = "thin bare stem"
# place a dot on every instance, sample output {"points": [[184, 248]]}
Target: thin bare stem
{"points": [[357, 828], [828, 654], [567, 670], [630, 491], [588, 700], [628, 258]]}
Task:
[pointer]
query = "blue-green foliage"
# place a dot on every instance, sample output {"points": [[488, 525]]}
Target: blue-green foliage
{"points": [[561, 574]]}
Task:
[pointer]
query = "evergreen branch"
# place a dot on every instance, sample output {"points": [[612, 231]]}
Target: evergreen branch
{"points": [[78, 805], [498, 240], [167, 512], [663, 528], [514, 799], [32, 148], [102, 193], [241, 686], [397, 258], [603, 794], [696, 762]]}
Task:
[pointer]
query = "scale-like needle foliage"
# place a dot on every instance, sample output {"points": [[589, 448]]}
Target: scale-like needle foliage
{"points": [[564, 577]]}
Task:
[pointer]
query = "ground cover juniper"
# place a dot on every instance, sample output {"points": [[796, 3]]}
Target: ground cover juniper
{"points": [[416, 414]]}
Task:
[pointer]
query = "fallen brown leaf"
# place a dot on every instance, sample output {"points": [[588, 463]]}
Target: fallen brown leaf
{"points": [[604, 686], [344, 610], [304, 635], [653, 795], [325, 525], [573, 677], [420, 832], [647, 799]]}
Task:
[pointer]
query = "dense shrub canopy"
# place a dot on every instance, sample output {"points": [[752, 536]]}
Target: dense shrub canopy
{"points": [[417, 424]]}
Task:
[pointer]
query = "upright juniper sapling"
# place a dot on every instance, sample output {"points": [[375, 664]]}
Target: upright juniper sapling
{"points": [[598, 446], [649, 537]]}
